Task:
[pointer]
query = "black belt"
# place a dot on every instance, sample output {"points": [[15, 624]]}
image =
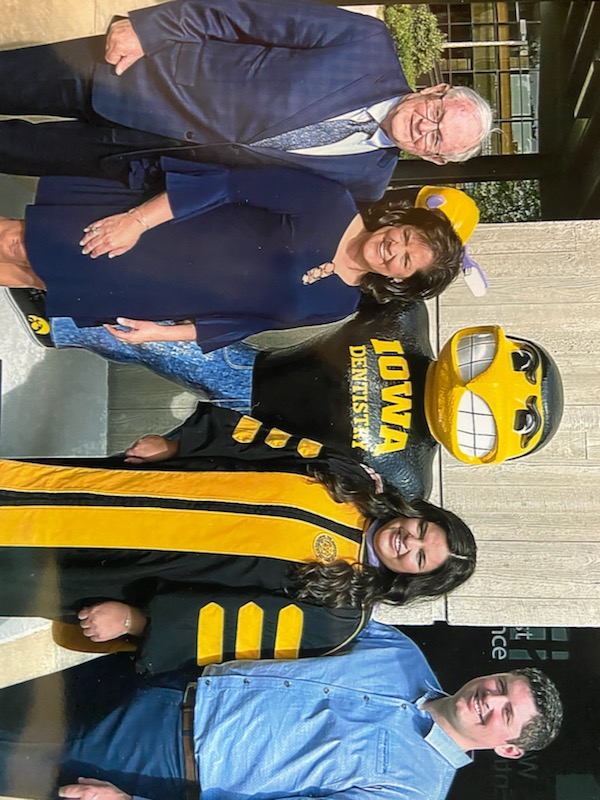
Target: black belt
{"points": [[192, 784]]}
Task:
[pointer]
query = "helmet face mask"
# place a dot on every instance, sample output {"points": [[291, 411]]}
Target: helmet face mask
{"points": [[491, 397]]}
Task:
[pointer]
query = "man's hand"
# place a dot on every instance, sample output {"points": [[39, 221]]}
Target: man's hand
{"points": [[91, 789], [123, 48], [151, 448]]}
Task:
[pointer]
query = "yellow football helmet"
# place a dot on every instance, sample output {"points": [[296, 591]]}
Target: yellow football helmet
{"points": [[460, 209], [491, 397]]}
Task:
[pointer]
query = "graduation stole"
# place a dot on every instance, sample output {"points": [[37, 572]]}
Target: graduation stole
{"points": [[269, 514], [276, 515]]}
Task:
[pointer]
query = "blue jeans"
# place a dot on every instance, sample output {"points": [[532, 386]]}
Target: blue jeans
{"points": [[225, 375], [98, 720]]}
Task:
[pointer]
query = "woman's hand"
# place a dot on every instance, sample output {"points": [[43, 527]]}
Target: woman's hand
{"points": [[118, 234], [105, 621], [92, 789], [151, 448], [111, 236], [141, 331]]}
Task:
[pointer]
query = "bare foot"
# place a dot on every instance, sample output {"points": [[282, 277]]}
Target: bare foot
{"points": [[12, 241], [17, 276]]}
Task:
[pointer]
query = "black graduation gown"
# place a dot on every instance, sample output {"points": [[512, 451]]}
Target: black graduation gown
{"points": [[208, 558]]}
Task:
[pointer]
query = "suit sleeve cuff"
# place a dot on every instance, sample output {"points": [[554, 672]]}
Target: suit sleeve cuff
{"points": [[146, 23]]}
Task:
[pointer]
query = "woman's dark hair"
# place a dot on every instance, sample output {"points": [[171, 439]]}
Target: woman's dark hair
{"points": [[435, 230], [342, 584]]}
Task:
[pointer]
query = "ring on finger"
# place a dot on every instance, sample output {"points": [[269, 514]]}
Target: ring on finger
{"points": [[94, 229]]}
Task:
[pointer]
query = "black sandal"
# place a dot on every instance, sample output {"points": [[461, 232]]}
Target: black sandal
{"points": [[30, 305]]}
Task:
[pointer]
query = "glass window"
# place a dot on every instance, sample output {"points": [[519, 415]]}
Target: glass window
{"points": [[458, 13], [457, 65], [485, 58], [506, 75], [520, 96], [460, 33], [462, 79], [524, 136], [459, 52], [482, 12], [487, 86], [484, 33], [441, 13]]}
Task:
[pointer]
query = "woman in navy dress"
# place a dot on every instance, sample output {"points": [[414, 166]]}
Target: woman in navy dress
{"points": [[219, 255]]}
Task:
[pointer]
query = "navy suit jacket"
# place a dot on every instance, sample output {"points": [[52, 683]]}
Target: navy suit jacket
{"points": [[222, 74]]}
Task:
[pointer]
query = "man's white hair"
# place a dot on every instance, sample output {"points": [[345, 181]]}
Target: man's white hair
{"points": [[483, 112]]}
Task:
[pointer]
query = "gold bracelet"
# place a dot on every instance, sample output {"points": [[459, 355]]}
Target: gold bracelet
{"points": [[141, 219]]}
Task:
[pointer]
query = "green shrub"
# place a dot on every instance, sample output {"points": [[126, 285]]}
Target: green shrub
{"points": [[506, 201], [418, 39]]}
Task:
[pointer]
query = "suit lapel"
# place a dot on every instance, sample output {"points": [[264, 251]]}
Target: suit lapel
{"points": [[364, 91]]}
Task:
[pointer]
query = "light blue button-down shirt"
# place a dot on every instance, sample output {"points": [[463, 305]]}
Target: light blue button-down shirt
{"points": [[343, 725]]}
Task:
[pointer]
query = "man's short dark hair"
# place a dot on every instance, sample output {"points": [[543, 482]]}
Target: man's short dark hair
{"points": [[543, 728]]}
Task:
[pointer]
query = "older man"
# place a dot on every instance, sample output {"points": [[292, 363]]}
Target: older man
{"points": [[247, 82], [373, 720]]}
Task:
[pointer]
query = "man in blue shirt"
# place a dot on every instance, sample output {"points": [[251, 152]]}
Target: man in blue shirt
{"points": [[372, 720]]}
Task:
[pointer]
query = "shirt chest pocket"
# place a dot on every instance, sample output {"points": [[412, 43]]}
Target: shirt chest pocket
{"points": [[397, 750], [383, 751]]}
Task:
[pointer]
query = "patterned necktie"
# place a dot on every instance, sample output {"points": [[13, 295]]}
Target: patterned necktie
{"points": [[319, 134]]}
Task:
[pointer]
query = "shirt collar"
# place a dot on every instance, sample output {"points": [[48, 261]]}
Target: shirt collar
{"points": [[379, 111], [447, 747], [438, 738]]}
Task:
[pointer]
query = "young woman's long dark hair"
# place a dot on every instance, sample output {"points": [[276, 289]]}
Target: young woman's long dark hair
{"points": [[341, 585]]}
